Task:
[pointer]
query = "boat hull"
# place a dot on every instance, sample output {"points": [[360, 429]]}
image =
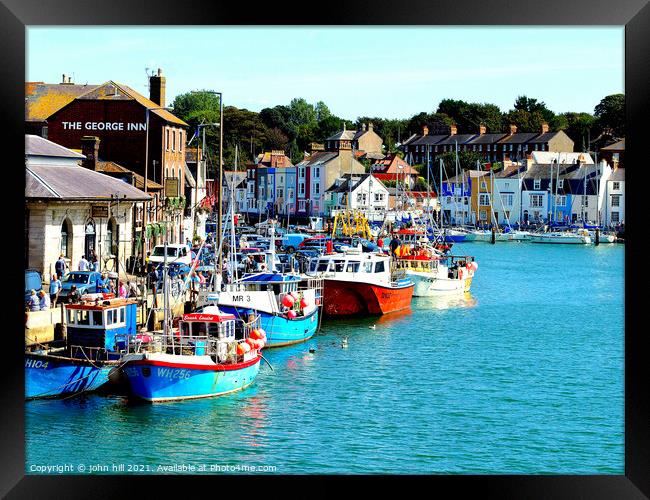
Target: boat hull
{"points": [[428, 285], [281, 331], [346, 298], [165, 378], [565, 240], [48, 376]]}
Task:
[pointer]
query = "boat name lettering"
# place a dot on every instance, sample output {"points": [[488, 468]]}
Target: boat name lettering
{"points": [[240, 298], [171, 373], [35, 363]]}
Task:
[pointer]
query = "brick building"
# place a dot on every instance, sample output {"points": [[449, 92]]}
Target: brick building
{"points": [[116, 114]]}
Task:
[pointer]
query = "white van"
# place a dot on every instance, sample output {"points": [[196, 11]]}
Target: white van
{"points": [[176, 252]]}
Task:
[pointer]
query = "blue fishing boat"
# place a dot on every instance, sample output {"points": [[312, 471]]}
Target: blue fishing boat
{"points": [[211, 353], [98, 328], [288, 312]]}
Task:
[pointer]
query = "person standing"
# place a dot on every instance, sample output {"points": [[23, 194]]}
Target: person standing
{"points": [[55, 289], [94, 264], [60, 266], [83, 264], [74, 296], [33, 302], [394, 245], [44, 301], [133, 289], [122, 290]]}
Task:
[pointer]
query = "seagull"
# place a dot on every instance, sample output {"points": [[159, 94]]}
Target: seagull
{"points": [[373, 327], [344, 342]]}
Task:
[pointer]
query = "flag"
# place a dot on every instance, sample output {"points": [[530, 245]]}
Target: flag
{"points": [[195, 136]]}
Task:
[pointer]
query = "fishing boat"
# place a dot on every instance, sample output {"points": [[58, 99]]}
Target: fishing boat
{"points": [[580, 237], [362, 283], [98, 329], [211, 353], [288, 311], [436, 274]]}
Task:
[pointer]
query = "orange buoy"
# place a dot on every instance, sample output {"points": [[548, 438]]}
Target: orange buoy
{"points": [[303, 303], [250, 342], [240, 350], [255, 334]]}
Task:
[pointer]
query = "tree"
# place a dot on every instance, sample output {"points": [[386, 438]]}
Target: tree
{"points": [[579, 127], [466, 160], [610, 112]]}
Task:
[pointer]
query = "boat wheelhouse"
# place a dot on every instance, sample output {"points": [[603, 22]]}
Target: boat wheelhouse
{"points": [[211, 353], [362, 283], [98, 330], [287, 304], [435, 274]]}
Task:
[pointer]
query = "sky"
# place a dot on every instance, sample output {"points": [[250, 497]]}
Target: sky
{"points": [[356, 71]]}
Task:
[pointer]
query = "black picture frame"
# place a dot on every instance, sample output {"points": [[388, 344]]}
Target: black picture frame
{"points": [[15, 15]]}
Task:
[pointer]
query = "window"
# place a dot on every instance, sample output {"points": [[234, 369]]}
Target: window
{"points": [[367, 267], [508, 199], [616, 186], [83, 318], [278, 193], [489, 147], [290, 195], [537, 184], [616, 200], [97, 318], [301, 188], [66, 248], [560, 183], [301, 172], [536, 200], [353, 267], [585, 200], [560, 200], [484, 199], [483, 215], [448, 200], [615, 217], [317, 188], [316, 172], [167, 139], [379, 267], [301, 205], [122, 314]]}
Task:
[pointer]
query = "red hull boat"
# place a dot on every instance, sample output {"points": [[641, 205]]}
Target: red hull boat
{"points": [[345, 298]]}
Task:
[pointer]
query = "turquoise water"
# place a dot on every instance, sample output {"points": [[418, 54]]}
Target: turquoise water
{"points": [[525, 376]]}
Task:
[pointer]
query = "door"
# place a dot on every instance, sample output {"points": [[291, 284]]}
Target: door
{"points": [[89, 244]]}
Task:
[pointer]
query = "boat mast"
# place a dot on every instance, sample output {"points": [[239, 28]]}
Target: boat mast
{"points": [[442, 218], [233, 265]]}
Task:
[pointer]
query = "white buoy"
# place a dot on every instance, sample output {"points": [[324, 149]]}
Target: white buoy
{"points": [[373, 327]]}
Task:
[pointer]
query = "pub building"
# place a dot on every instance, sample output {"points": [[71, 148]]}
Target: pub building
{"points": [[107, 122]]}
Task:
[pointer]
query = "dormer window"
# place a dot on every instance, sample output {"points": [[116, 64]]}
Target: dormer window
{"points": [[537, 184]]}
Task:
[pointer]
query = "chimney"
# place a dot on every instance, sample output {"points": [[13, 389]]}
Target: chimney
{"points": [[90, 149], [513, 129], [363, 127], [370, 127], [482, 129], [157, 88], [544, 127], [425, 130], [453, 130]]}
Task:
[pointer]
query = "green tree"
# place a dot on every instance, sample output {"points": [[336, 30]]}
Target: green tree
{"points": [[610, 112], [578, 126]]}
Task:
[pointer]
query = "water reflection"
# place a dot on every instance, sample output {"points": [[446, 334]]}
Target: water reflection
{"points": [[443, 302]]}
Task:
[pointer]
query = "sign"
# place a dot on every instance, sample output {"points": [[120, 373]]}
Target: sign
{"points": [[114, 126], [99, 211], [171, 187]]}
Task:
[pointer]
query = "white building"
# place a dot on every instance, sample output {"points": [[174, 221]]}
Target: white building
{"points": [[506, 195], [614, 199], [357, 192], [72, 210]]}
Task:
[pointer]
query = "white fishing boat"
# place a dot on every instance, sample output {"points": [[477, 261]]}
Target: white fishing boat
{"points": [[580, 237], [436, 274]]}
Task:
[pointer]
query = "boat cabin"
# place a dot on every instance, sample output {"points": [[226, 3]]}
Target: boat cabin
{"points": [[279, 284], [101, 321], [352, 263]]}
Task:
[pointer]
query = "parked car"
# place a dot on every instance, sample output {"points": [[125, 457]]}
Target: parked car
{"points": [[33, 281], [86, 282], [176, 252], [174, 269], [291, 241]]}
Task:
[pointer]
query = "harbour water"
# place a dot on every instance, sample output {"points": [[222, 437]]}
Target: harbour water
{"points": [[524, 376]]}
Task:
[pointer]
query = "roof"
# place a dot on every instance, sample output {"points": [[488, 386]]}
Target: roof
{"points": [[343, 134], [511, 171], [390, 165], [268, 159], [35, 145], [112, 91], [349, 183], [518, 138], [472, 174], [568, 158], [112, 167], [44, 99], [617, 146], [457, 138], [542, 138], [319, 158], [487, 138], [617, 175], [428, 139], [73, 183], [411, 139]]}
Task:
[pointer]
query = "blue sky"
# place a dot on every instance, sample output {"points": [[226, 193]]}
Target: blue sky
{"points": [[366, 71]]}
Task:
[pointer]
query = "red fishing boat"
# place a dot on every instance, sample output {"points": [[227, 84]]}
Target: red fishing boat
{"points": [[362, 283]]}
